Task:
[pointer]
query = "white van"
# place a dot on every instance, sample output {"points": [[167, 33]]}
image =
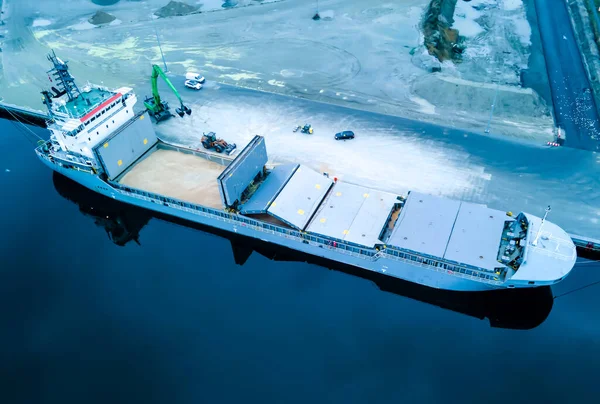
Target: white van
{"points": [[194, 76]]}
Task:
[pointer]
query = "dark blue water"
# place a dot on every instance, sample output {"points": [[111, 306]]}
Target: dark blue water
{"points": [[176, 320]]}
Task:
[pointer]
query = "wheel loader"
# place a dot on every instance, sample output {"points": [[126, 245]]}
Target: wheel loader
{"points": [[210, 141]]}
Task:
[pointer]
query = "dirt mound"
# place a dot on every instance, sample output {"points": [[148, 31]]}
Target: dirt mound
{"points": [[475, 98], [101, 18], [440, 40], [175, 8]]}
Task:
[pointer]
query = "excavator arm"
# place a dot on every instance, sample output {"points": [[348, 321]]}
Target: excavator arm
{"points": [[156, 72]]}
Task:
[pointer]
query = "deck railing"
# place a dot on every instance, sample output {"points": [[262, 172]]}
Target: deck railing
{"points": [[370, 254], [586, 243], [463, 271], [340, 246]]}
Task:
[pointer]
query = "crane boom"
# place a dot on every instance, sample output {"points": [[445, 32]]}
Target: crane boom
{"points": [[157, 71], [158, 107]]}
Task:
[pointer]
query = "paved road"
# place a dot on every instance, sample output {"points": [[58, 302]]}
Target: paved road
{"points": [[574, 106]]}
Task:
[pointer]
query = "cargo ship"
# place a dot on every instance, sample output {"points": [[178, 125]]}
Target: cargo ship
{"points": [[99, 141], [518, 309]]}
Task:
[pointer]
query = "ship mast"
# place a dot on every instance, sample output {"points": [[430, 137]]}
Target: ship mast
{"points": [[66, 82], [534, 243]]}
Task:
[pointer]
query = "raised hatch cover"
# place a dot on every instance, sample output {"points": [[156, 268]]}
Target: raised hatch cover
{"points": [[300, 198], [266, 193], [354, 214], [126, 145], [243, 169]]}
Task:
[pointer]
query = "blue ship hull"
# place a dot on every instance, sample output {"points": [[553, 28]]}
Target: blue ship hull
{"points": [[409, 271], [99, 142]]}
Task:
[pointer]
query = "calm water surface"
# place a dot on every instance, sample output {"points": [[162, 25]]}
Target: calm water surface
{"points": [[174, 319]]}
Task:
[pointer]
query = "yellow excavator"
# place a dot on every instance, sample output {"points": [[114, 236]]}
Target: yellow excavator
{"points": [[158, 108]]}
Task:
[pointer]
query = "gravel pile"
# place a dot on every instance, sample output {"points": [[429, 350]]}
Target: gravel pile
{"points": [[101, 18], [175, 8]]}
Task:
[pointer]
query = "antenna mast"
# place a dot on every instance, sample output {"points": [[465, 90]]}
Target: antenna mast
{"points": [[66, 82], [534, 243]]}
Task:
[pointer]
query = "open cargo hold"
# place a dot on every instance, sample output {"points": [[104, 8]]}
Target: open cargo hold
{"points": [[135, 157], [188, 177]]}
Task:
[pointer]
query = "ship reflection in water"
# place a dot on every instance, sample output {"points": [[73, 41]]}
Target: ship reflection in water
{"points": [[509, 308]]}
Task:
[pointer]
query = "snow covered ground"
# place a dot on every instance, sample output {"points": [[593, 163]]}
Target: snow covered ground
{"points": [[371, 158], [498, 41], [399, 155], [367, 55], [53, 14], [498, 37]]}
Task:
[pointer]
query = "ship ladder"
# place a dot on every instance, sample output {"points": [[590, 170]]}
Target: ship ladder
{"points": [[377, 255]]}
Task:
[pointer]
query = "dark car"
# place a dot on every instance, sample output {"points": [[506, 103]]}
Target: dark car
{"points": [[347, 134]]}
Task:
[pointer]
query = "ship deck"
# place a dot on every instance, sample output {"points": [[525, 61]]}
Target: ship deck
{"points": [[300, 197], [458, 231], [354, 214], [177, 175]]}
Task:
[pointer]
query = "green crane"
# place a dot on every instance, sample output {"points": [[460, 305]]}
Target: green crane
{"points": [[158, 108]]}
